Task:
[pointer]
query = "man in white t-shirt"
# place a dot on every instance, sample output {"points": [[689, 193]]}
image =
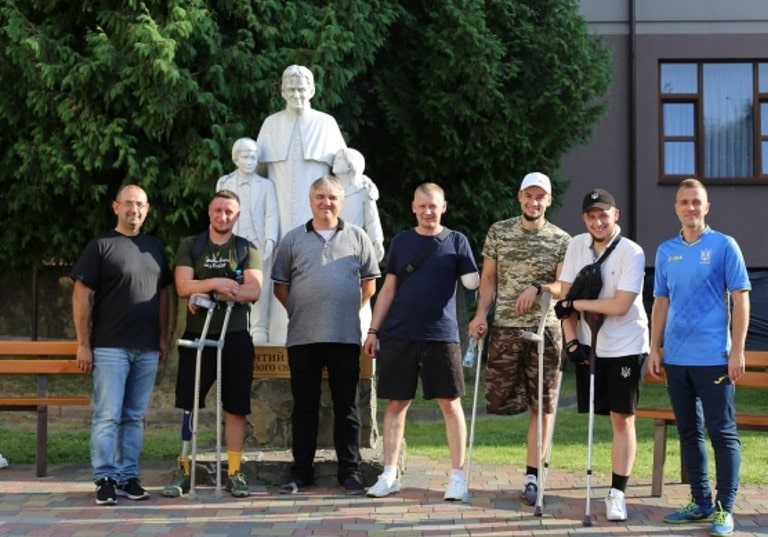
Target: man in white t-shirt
{"points": [[622, 341]]}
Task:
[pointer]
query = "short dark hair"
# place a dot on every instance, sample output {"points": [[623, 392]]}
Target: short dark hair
{"points": [[227, 195]]}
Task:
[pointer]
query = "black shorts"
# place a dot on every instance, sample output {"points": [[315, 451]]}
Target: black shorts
{"points": [[236, 373], [400, 362], [617, 385]]}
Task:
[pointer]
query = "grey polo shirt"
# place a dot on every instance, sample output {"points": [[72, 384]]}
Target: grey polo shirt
{"points": [[324, 298]]}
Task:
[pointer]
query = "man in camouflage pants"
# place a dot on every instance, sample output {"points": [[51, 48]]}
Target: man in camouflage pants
{"points": [[522, 258]]}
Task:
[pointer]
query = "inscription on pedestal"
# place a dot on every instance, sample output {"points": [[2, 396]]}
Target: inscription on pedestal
{"points": [[271, 362]]}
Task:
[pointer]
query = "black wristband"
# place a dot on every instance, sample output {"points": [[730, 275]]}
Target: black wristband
{"points": [[538, 288], [572, 342], [373, 331]]}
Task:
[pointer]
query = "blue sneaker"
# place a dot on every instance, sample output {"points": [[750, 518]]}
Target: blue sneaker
{"points": [[722, 522], [690, 513]]}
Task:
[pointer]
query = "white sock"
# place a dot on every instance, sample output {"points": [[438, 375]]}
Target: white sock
{"points": [[457, 472], [389, 473]]}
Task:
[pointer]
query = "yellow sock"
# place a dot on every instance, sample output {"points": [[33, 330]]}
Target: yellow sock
{"points": [[233, 461], [184, 463]]}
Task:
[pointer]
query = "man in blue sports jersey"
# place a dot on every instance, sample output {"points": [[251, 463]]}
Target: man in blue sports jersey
{"points": [[696, 272]]}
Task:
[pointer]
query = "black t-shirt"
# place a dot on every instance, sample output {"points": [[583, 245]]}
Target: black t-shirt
{"points": [[217, 261], [126, 275]]}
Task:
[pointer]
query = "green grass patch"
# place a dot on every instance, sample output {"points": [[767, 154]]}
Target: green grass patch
{"points": [[501, 439], [69, 442]]}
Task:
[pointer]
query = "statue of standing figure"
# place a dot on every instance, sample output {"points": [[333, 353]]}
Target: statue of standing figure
{"points": [[360, 196], [296, 146], [259, 222]]}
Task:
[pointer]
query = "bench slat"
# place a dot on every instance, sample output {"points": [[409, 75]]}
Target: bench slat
{"points": [[39, 367], [38, 348], [44, 401], [39, 362]]}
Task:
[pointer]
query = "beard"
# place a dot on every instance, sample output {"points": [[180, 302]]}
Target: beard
{"points": [[530, 218]]}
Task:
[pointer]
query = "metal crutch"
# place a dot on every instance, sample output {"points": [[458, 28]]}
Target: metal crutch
{"points": [[595, 322], [538, 338], [551, 433], [199, 344], [478, 363]]}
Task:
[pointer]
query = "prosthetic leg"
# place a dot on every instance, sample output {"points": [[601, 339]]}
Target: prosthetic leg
{"points": [[199, 344]]}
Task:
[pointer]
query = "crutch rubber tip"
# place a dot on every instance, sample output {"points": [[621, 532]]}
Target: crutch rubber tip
{"points": [[537, 511], [588, 521]]}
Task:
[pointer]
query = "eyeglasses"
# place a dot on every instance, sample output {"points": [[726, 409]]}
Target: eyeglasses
{"points": [[128, 204]]}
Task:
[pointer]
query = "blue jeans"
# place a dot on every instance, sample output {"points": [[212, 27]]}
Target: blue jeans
{"points": [[123, 380], [703, 395]]}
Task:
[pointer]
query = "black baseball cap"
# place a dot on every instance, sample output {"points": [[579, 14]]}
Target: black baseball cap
{"points": [[599, 199]]}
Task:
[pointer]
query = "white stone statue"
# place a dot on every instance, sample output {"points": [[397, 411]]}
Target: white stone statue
{"points": [[259, 221], [296, 146], [360, 196]]}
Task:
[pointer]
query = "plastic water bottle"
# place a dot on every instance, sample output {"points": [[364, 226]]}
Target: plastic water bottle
{"points": [[470, 357]]}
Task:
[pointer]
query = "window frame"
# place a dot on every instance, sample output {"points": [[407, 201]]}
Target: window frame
{"points": [[697, 100]]}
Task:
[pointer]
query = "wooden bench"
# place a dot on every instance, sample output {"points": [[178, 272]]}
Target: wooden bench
{"points": [[41, 358], [756, 376]]}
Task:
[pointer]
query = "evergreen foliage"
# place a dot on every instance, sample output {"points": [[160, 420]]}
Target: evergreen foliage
{"points": [[96, 94], [474, 95]]}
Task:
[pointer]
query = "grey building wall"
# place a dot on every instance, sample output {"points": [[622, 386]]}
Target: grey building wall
{"points": [[623, 155]]}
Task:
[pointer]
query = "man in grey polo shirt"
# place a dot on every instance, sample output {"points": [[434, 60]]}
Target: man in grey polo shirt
{"points": [[324, 271]]}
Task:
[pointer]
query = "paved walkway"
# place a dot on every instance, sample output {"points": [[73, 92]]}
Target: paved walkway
{"points": [[63, 505]]}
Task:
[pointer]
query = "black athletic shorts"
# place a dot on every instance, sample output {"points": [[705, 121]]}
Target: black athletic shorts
{"points": [[236, 373], [617, 385], [400, 362]]}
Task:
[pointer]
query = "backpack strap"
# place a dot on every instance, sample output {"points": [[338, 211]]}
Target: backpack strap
{"points": [[411, 267], [198, 246], [242, 245]]}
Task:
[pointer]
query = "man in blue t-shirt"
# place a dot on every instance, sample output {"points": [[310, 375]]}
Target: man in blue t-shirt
{"points": [[696, 271], [415, 316]]}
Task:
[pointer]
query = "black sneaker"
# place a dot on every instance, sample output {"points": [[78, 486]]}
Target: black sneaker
{"points": [[352, 485], [237, 485], [132, 490], [105, 492]]}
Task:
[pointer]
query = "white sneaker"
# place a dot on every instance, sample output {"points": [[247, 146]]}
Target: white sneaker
{"points": [[615, 506], [530, 492], [456, 490], [381, 488], [3, 462]]}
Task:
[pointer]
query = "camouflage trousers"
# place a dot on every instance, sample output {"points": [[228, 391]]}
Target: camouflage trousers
{"points": [[512, 371]]}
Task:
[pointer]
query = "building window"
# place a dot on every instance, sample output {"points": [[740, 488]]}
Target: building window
{"points": [[714, 121]]}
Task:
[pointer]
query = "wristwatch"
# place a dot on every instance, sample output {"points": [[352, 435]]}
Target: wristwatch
{"points": [[538, 288]]}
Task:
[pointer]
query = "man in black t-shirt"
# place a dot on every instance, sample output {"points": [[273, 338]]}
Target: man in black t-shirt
{"points": [[120, 311]]}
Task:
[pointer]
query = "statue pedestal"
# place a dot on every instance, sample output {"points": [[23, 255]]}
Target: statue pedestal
{"points": [[271, 402], [273, 466], [268, 438]]}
